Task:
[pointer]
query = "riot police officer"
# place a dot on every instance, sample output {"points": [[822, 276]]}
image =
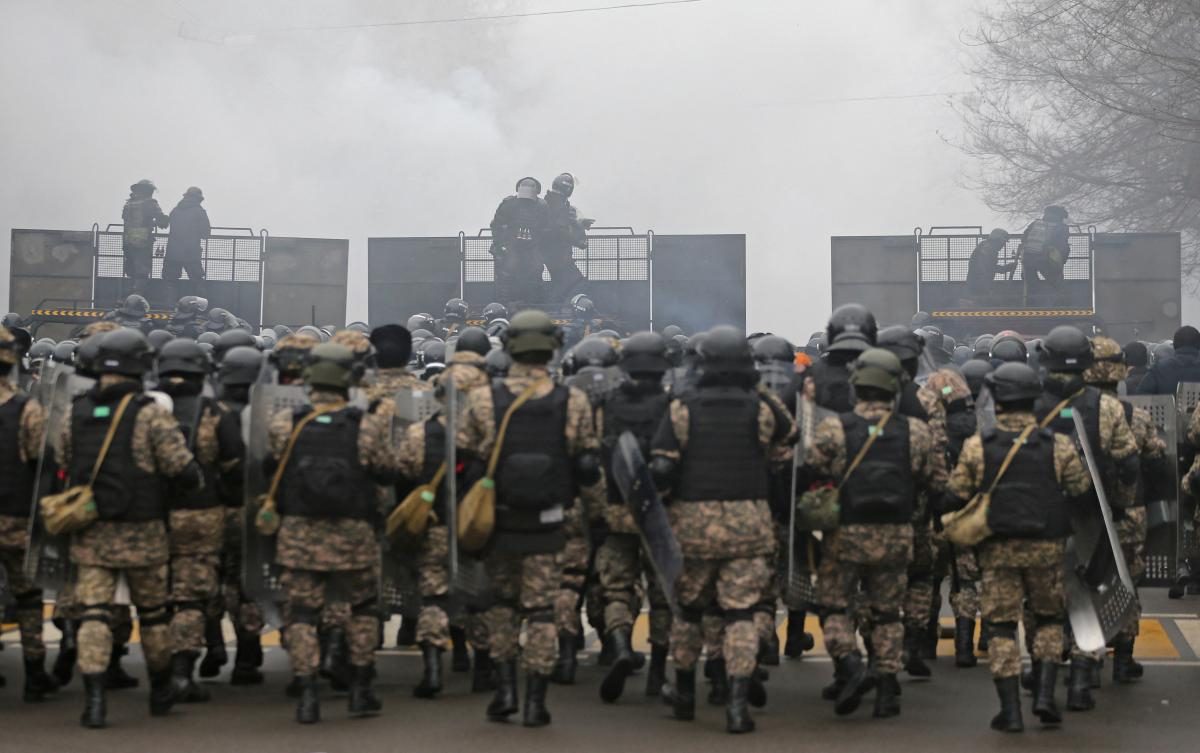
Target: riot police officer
{"points": [[548, 452], [518, 229], [850, 331], [564, 232], [141, 216], [1044, 249]]}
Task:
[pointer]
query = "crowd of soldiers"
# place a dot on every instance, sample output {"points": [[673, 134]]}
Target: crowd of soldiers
{"points": [[745, 439]]}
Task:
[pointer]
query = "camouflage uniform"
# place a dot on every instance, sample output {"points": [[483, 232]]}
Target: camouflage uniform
{"points": [[525, 585], [108, 549], [245, 614], [919, 593], [1020, 571], [879, 556], [317, 553], [141, 215]]}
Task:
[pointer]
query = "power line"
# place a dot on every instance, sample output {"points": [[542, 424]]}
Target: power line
{"points": [[839, 100], [471, 19]]}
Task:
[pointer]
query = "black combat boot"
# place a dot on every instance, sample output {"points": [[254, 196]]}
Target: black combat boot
{"points": [[460, 659], [681, 696], [887, 697], [68, 652], [567, 662], [737, 712], [115, 677], [246, 662], [914, 638], [1009, 718], [1029, 678], [798, 641], [718, 693], [859, 682], [757, 695], [1125, 669], [215, 655], [335, 659], [406, 635], [94, 707], [536, 714], [1044, 705], [431, 680], [614, 682], [38, 684], [657, 674], [308, 710], [183, 686], [504, 703], [983, 638], [1095, 670], [964, 643], [830, 692], [768, 652], [1079, 694], [162, 692], [482, 676], [605, 659], [363, 701]]}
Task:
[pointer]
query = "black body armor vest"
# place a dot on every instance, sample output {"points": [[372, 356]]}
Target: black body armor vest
{"points": [[16, 489], [189, 411], [123, 491], [882, 489], [324, 477], [1028, 503], [724, 458], [534, 476]]}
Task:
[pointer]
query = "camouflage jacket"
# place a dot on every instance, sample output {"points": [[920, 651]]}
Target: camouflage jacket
{"points": [[724, 529], [1116, 443], [335, 543], [388, 382], [219, 450], [467, 370]]}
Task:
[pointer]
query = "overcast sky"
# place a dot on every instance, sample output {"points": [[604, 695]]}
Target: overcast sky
{"points": [[717, 116]]}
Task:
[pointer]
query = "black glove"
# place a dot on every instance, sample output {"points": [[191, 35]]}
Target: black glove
{"points": [[587, 468], [663, 470]]}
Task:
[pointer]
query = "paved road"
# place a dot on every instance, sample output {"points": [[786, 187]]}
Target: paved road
{"points": [[949, 713]]}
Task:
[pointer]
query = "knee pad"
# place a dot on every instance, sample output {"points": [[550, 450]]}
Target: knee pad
{"points": [[305, 616], [1003, 630], [368, 608], [96, 613], [540, 615], [1047, 620], [739, 615], [190, 605], [156, 615], [765, 607], [880, 619]]}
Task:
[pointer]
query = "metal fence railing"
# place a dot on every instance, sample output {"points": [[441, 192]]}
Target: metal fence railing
{"points": [[610, 256]]}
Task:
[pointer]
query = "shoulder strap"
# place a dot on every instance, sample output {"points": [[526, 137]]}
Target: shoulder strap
{"points": [[523, 398], [866, 446], [1012, 453], [1049, 417], [291, 443], [108, 438]]}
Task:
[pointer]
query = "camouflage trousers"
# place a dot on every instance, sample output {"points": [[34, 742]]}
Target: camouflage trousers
{"points": [[524, 588], [28, 598], [95, 588], [66, 607], [963, 568], [579, 586], [875, 558], [1131, 532], [1021, 574], [305, 590], [620, 564], [918, 596], [734, 586], [433, 583], [246, 615], [194, 585]]}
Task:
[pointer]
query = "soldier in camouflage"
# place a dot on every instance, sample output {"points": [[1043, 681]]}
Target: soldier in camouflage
{"points": [[130, 536], [329, 519], [713, 452], [1029, 520], [1065, 353], [22, 425], [873, 544], [547, 454], [141, 215], [1106, 372]]}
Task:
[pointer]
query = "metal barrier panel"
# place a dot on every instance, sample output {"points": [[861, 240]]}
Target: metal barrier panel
{"points": [[1164, 544], [945, 258], [225, 258], [617, 258]]}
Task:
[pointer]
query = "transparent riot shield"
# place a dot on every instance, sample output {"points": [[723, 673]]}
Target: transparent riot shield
{"points": [[633, 480], [47, 560], [1101, 598], [1163, 553]]}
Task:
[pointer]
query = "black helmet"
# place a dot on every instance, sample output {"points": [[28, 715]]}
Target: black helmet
{"points": [[983, 346], [143, 186], [497, 362], [724, 350], [191, 304], [362, 327], [1066, 348], [1014, 381], [675, 349], [208, 337], [473, 340], [331, 365], [220, 320], [281, 330], [124, 351], [901, 341], [975, 371], [934, 338], [240, 367], [536, 183], [421, 321], [41, 350], [183, 356], [877, 368], [594, 351], [921, 319], [671, 330], [691, 348], [456, 310], [532, 331], [11, 319], [582, 305], [433, 351], [159, 338], [961, 355], [494, 311], [564, 184], [774, 348], [1055, 213], [135, 306], [314, 332], [64, 352], [234, 338], [851, 327], [645, 353], [1009, 349], [497, 327]]}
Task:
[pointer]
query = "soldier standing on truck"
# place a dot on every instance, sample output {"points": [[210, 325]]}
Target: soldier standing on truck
{"points": [[1044, 250], [141, 216], [984, 264]]}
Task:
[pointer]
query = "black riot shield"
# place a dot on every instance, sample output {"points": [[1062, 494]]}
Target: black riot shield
{"points": [[800, 587], [597, 381], [632, 477], [1101, 599], [260, 575], [1163, 521], [47, 563], [469, 584], [1187, 397], [398, 590]]}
